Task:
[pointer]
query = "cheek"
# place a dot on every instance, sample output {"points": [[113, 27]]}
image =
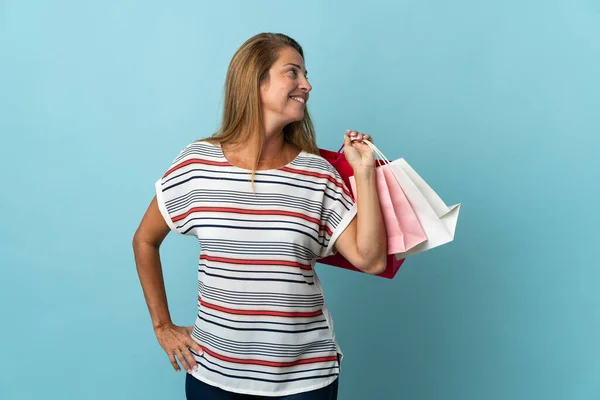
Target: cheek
{"points": [[280, 97], [275, 100], [268, 100], [276, 96]]}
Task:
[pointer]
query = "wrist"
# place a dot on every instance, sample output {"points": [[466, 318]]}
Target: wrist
{"points": [[364, 172], [161, 324]]}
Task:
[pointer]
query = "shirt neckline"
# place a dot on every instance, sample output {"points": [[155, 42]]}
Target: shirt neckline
{"points": [[222, 155]]}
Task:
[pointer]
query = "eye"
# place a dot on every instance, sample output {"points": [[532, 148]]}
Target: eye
{"points": [[294, 72]]}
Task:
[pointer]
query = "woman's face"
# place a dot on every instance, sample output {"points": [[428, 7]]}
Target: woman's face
{"points": [[285, 94]]}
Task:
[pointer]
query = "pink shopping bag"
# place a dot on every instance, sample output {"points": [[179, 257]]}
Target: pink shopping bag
{"points": [[402, 225], [403, 228]]}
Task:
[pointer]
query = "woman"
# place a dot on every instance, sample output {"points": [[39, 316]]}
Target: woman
{"points": [[264, 207]]}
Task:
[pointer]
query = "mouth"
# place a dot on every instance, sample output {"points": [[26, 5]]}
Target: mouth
{"points": [[299, 99]]}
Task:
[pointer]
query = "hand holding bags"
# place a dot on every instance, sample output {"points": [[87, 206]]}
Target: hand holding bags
{"points": [[416, 218], [402, 233]]}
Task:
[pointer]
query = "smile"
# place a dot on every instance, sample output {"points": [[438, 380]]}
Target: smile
{"points": [[298, 99]]}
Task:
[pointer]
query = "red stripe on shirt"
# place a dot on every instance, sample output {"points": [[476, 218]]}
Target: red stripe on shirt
{"points": [[244, 211], [318, 175], [297, 314], [255, 262], [269, 363], [194, 161]]}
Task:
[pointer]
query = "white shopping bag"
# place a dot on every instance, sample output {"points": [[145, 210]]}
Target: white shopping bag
{"points": [[436, 218]]}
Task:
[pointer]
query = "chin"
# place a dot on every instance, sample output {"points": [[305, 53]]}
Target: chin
{"points": [[299, 117]]}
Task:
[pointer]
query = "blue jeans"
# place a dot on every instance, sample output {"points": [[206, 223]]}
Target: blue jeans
{"points": [[198, 390]]}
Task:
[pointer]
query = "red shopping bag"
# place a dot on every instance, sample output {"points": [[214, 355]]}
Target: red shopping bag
{"points": [[339, 162]]}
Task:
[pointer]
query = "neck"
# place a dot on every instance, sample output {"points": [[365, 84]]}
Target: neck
{"points": [[275, 151], [274, 145]]}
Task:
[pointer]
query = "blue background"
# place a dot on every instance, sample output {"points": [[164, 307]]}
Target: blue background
{"points": [[495, 103]]}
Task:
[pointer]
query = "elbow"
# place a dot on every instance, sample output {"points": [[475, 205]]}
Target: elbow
{"points": [[375, 265], [374, 261], [378, 266], [139, 241], [135, 242], [143, 241]]}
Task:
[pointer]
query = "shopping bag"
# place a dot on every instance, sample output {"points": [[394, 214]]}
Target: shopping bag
{"points": [[339, 162], [402, 226], [401, 223], [435, 217]]}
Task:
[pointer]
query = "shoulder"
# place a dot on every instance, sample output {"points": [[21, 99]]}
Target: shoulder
{"points": [[320, 171], [317, 164], [202, 145], [194, 154], [198, 149]]}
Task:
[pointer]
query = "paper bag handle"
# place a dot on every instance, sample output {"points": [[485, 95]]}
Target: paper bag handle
{"points": [[375, 150]]}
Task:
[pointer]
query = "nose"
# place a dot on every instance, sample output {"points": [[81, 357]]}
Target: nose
{"points": [[305, 86]]}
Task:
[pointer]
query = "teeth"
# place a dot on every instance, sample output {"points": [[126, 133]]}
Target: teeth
{"points": [[300, 99]]}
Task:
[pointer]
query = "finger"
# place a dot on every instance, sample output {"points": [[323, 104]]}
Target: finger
{"points": [[347, 141], [189, 329], [195, 346], [355, 135], [173, 362], [369, 138], [190, 360], [183, 361]]}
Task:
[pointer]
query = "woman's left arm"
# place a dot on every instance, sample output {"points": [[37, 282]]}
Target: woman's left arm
{"points": [[364, 242]]}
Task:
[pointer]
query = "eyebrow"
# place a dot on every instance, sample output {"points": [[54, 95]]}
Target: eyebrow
{"points": [[297, 66]]}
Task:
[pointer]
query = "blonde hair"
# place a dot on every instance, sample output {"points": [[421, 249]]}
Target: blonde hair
{"points": [[242, 121]]}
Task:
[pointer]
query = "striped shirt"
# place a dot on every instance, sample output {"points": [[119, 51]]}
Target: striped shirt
{"points": [[262, 320]]}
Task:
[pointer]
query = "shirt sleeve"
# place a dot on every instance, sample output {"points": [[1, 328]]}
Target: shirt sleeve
{"points": [[339, 209], [173, 190]]}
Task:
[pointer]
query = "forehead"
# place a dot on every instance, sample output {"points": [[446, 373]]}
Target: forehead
{"points": [[289, 55]]}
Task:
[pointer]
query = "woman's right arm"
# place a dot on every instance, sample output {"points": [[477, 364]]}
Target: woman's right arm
{"points": [[175, 340]]}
